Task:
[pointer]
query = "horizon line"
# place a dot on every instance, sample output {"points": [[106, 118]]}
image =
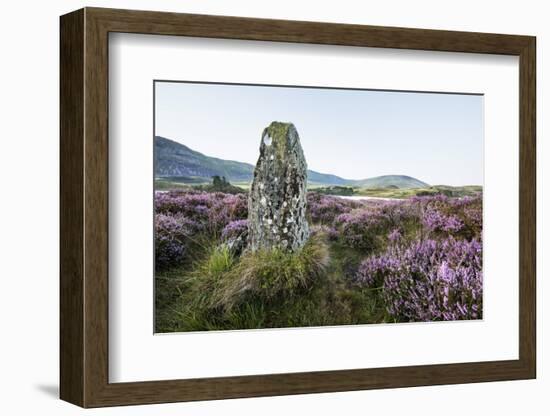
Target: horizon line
{"points": [[314, 170]]}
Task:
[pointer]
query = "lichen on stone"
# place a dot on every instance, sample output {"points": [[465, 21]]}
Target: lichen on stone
{"points": [[277, 199]]}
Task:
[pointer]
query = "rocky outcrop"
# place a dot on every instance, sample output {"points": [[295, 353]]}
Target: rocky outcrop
{"points": [[277, 199]]}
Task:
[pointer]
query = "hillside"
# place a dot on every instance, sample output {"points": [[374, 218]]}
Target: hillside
{"points": [[180, 164], [174, 159], [399, 181]]}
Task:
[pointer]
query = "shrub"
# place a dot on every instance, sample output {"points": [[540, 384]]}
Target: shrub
{"points": [[235, 229], [395, 236], [364, 228], [324, 209], [368, 228], [460, 217], [172, 234], [359, 229], [472, 216], [435, 220], [213, 210], [235, 236], [428, 280]]}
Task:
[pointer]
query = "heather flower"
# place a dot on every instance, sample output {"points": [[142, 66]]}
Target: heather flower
{"points": [[368, 227], [213, 210], [395, 236], [172, 234], [435, 220], [235, 229], [428, 280], [324, 208], [461, 217], [332, 234]]}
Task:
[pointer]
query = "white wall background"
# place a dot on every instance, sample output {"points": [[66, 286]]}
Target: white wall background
{"points": [[29, 213]]}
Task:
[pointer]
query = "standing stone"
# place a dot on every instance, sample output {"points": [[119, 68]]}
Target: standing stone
{"points": [[277, 199]]}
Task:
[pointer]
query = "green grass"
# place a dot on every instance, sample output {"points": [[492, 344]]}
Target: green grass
{"points": [[199, 184], [163, 185], [180, 183], [452, 191], [268, 274], [265, 289]]}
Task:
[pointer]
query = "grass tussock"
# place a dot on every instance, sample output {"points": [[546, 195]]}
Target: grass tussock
{"points": [[225, 282], [264, 289]]}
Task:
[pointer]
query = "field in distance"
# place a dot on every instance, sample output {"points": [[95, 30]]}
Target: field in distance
{"points": [[189, 183]]}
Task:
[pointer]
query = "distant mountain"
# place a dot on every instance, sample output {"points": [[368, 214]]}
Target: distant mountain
{"points": [[175, 160], [326, 179], [398, 181]]}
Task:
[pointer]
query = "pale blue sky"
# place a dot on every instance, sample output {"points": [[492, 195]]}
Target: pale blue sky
{"points": [[355, 134]]}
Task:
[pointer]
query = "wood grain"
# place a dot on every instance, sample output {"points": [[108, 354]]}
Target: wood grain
{"points": [[527, 208], [71, 185], [84, 207]]}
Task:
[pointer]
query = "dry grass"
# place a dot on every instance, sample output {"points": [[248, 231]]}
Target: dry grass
{"points": [[223, 282]]}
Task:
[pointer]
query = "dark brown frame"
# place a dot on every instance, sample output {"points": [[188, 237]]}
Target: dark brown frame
{"points": [[84, 209]]}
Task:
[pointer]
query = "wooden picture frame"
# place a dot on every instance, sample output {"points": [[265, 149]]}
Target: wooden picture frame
{"points": [[84, 207]]}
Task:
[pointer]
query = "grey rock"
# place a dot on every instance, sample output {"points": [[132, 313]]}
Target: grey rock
{"points": [[237, 244], [277, 199]]}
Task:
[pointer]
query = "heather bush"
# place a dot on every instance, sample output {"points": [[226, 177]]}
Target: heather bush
{"points": [[395, 236], [172, 233], [434, 220], [234, 229], [472, 216], [428, 280], [213, 210], [235, 236], [367, 228], [359, 229], [324, 209], [441, 215]]}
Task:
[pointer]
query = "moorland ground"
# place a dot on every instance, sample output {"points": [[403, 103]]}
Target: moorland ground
{"points": [[416, 258]]}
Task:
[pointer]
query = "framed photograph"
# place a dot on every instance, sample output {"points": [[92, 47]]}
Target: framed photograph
{"points": [[255, 207]]}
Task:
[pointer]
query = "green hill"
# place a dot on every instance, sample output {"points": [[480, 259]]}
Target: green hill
{"points": [[391, 181], [177, 163], [174, 159]]}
